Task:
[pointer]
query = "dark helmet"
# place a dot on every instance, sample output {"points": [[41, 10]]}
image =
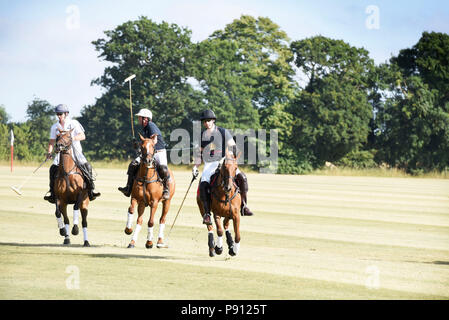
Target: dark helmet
{"points": [[207, 114], [61, 108]]}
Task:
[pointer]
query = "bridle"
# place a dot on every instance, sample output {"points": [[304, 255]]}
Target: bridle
{"points": [[149, 162], [148, 157], [65, 147], [225, 178]]}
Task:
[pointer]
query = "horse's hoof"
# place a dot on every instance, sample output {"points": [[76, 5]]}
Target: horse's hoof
{"points": [[75, 230], [62, 232], [67, 241], [149, 244], [231, 252], [130, 246], [218, 250], [128, 231], [86, 244], [161, 244], [211, 252]]}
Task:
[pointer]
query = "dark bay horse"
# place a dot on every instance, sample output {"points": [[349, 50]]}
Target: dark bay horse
{"points": [[147, 191], [69, 189], [225, 203]]}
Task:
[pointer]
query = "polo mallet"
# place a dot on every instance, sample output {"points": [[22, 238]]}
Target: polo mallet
{"points": [[182, 203], [17, 189], [130, 101]]}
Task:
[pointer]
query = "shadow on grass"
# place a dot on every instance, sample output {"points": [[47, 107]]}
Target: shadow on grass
{"points": [[92, 255]]}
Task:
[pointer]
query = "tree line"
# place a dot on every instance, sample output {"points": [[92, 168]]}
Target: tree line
{"points": [[327, 100]]}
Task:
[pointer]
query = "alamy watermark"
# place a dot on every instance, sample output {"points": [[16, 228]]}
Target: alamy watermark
{"points": [[372, 22], [373, 279], [72, 21], [73, 280], [256, 147]]}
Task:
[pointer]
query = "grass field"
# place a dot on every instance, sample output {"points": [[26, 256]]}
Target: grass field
{"points": [[312, 237]]}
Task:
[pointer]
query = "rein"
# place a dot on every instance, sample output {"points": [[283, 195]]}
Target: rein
{"points": [[222, 184], [66, 150], [149, 165]]}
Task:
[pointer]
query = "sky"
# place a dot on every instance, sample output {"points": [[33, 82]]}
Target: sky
{"points": [[46, 50]]}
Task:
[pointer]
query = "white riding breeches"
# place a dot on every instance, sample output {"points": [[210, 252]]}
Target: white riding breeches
{"points": [[77, 156], [160, 157], [209, 170]]}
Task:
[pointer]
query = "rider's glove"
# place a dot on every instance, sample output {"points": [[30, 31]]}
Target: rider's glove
{"points": [[195, 172]]}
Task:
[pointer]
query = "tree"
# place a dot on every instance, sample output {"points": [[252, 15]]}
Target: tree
{"points": [[413, 120], [257, 76], [430, 60], [224, 83], [40, 115], [4, 117], [158, 54], [264, 51], [332, 112], [4, 142]]}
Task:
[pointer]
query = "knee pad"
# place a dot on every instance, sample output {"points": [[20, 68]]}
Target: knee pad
{"points": [[132, 167], [242, 181]]}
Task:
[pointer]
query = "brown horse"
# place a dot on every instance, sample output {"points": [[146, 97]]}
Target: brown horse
{"points": [[225, 202], [147, 191], [69, 189]]}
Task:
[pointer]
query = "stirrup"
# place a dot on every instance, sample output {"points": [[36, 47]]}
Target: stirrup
{"points": [[166, 194]]}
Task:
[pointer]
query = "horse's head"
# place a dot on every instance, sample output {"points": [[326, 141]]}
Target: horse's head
{"points": [[147, 149], [63, 141], [228, 170]]}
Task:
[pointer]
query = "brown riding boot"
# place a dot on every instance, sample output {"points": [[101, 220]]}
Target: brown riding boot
{"points": [[132, 170], [205, 199], [126, 190], [53, 170], [90, 182], [242, 182], [165, 176]]}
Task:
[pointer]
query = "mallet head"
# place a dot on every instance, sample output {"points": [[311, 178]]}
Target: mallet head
{"points": [[16, 190], [129, 78]]}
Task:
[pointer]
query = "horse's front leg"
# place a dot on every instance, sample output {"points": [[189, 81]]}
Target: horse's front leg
{"points": [[219, 247], [84, 212], [229, 240], [66, 222], [59, 219], [235, 248], [160, 240], [76, 213], [149, 243], [129, 221], [140, 211]]}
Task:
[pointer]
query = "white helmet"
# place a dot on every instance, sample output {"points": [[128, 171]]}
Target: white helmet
{"points": [[145, 113]]}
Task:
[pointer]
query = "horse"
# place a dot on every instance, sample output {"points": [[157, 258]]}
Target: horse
{"points": [[69, 189], [147, 191], [225, 203]]}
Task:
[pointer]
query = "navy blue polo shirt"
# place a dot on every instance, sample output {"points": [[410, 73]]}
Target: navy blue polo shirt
{"points": [[150, 129]]}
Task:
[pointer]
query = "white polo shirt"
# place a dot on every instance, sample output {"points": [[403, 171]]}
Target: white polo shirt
{"points": [[69, 124]]}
